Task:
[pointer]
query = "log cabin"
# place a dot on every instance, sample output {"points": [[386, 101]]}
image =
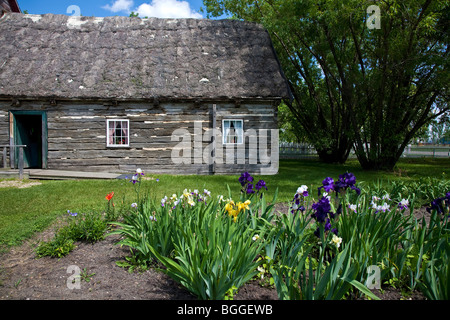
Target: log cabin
{"points": [[112, 94]]}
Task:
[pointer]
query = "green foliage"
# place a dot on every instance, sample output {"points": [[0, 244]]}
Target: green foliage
{"points": [[301, 274], [435, 281], [354, 86], [212, 245], [423, 190], [139, 229], [212, 255], [89, 227], [58, 247]]}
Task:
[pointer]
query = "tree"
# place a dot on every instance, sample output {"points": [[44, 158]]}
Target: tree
{"points": [[358, 79], [290, 131]]}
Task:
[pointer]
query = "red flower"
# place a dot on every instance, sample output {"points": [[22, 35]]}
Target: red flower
{"points": [[109, 196]]}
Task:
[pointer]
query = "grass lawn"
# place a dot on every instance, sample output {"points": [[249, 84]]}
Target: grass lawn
{"points": [[26, 211]]}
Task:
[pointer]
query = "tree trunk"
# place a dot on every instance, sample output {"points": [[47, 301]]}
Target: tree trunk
{"points": [[333, 155]]}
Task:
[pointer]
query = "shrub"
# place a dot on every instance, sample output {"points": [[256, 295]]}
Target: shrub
{"points": [[58, 247], [88, 227]]}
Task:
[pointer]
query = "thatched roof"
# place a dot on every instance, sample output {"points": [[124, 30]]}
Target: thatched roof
{"points": [[57, 56]]}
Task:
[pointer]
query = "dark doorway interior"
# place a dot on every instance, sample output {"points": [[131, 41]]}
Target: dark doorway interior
{"points": [[29, 133]]}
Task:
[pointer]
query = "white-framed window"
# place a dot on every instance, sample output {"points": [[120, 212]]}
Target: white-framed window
{"points": [[233, 131], [117, 133]]}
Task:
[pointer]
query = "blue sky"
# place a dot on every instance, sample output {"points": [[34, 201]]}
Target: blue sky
{"points": [[104, 8]]}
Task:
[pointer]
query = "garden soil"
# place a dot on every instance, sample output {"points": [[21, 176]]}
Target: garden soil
{"points": [[23, 276]]}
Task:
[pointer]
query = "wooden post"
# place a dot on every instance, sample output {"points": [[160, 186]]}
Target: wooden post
{"points": [[5, 151], [12, 160], [20, 162], [214, 125]]}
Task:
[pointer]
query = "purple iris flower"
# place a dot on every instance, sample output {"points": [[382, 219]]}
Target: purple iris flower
{"points": [[346, 180], [327, 185], [260, 184], [244, 178], [321, 208], [437, 204]]}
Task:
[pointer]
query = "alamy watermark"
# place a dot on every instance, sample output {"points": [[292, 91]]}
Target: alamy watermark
{"points": [[74, 280], [252, 146], [74, 10], [373, 277], [374, 20]]}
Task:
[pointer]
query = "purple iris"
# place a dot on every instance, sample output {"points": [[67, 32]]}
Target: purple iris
{"points": [[321, 208], [245, 178], [260, 184], [437, 204], [346, 180], [322, 214]]}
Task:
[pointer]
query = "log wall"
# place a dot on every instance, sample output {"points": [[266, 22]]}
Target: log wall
{"points": [[77, 135]]}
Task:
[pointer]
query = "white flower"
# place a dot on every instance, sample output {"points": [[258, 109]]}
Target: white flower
{"points": [[255, 237], [186, 193], [386, 197], [261, 271], [134, 205], [336, 241], [138, 170], [404, 203], [302, 189], [384, 207], [207, 193], [352, 207]]}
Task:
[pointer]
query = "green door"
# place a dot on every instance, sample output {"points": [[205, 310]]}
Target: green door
{"points": [[30, 129]]}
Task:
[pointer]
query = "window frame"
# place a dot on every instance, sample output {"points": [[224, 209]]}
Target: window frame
{"points": [[224, 137], [109, 145]]}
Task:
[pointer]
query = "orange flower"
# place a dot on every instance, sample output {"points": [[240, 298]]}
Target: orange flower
{"points": [[109, 196]]}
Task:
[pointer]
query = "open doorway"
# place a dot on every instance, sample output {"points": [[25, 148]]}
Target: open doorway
{"points": [[30, 130]]}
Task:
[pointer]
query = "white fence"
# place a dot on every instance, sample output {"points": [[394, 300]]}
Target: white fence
{"points": [[292, 150]]}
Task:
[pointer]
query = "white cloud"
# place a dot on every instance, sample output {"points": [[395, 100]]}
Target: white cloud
{"points": [[156, 8], [167, 9], [120, 5]]}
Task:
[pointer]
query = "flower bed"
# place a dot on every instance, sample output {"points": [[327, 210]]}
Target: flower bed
{"points": [[338, 242], [337, 245]]}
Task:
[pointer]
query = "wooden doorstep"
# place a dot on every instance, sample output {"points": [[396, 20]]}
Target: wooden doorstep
{"points": [[63, 175]]}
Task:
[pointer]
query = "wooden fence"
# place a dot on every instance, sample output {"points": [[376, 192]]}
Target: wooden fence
{"points": [[12, 153]]}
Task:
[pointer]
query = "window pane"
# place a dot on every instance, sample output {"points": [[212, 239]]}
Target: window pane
{"points": [[118, 133], [232, 131]]}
